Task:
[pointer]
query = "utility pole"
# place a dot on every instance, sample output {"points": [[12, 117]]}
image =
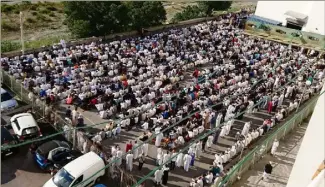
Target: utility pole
{"points": [[22, 32]]}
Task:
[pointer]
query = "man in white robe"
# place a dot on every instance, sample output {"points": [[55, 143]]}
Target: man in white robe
{"points": [[245, 130], [158, 176], [223, 131], [159, 137], [136, 150], [145, 149], [280, 99], [209, 142], [129, 161], [274, 147], [198, 149], [187, 160], [119, 154], [218, 119], [217, 159], [166, 157], [179, 160]]}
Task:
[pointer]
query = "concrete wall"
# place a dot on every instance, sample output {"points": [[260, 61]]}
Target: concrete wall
{"points": [[311, 153], [275, 10]]}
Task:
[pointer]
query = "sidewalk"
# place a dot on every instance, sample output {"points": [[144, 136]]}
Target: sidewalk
{"points": [[282, 163]]}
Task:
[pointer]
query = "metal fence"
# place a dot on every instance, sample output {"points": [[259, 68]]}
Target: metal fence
{"points": [[45, 112], [256, 154]]}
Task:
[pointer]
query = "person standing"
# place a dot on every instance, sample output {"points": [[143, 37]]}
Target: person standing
{"points": [[165, 175], [158, 176], [267, 171], [145, 149], [129, 161], [119, 154], [174, 159], [141, 162], [274, 147], [128, 147], [136, 150], [166, 158], [187, 160], [179, 160]]}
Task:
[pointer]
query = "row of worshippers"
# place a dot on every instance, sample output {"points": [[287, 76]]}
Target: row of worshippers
{"points": [[77, 69]]}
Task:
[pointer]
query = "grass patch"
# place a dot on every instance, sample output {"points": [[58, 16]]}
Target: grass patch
{"points": [[7, 46], [9, 26]]}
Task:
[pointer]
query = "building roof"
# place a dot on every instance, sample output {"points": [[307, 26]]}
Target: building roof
{"points": [[296, 15]]}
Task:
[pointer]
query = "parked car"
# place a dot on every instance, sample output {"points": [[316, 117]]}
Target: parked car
{"points": [[52, 152], [100, 185], [7, 101], [25, 126], [83, 171], [7, 139]]}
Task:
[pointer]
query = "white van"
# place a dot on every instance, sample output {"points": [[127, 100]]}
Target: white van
{"points": [[77, 172]]}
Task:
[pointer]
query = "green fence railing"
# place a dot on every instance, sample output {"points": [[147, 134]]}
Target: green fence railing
{"points": [[255, 155]]}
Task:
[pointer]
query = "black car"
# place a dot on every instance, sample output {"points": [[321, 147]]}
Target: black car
{"points": [[7, 139], [52, 152]]}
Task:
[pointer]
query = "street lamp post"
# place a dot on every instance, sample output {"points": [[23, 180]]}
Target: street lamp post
{"points": [[22, 32]]}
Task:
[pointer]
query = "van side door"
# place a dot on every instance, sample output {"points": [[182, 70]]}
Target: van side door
{"points": [[77, 182]]}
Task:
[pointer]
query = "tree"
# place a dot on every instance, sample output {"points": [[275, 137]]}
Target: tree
{"points": [[96, 18], [145, 13], [209, 6], [190, 12]]}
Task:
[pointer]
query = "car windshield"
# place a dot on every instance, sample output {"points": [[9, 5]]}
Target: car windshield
{"points": [[5, 97], [62, 178], [30, 130]]}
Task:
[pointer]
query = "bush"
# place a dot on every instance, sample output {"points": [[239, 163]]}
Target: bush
{"points": [[34, 13], [6, 26], [51, 8], [52, 14], [30, 20], [33, 7], [7, 8], [190, 12], [7, 46], [45, 11]]}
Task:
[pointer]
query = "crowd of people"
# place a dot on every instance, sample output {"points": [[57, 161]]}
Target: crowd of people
{"points": [[138, 81]]}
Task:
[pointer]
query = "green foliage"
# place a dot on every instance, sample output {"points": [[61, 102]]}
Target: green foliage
{"points": [[45, 11], [7, 8], [52, 14], [80, 28], [209, 6], [34, 13], [7, 46], [99, 18], [30, 20], [8, 26], [190, 12], [51, 8], [146, 13]]}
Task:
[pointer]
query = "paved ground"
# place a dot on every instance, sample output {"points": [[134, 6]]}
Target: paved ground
{"points": [[282, 163]]}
